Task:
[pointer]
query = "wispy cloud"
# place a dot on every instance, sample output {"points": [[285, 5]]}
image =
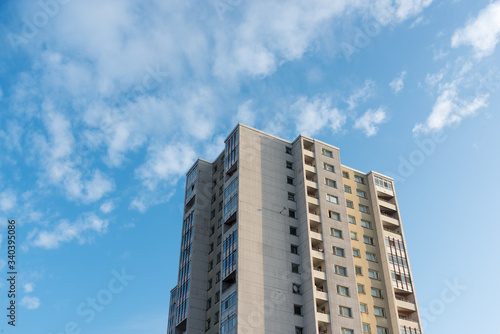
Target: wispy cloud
{"points": [[482, 33], [107, 206], [316, 114], [370, 120], [367, 91], [397, 84], [31, 303], [83, 230], [8, 200], [29, 287]]}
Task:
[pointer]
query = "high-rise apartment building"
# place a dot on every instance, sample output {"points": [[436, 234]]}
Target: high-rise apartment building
{"points": [[280, 237]]}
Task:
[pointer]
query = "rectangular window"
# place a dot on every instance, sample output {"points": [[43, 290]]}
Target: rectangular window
{"points": [[288, 150], [332, 199], [327, 152], [298, 330], [289, 180], [382, 330], [345, 174], [347, 189], [359, 179], [330, 183], [228, 303], [211, 247], [336, 233], [293, 230], [368, 240], [383, 183], [334, 215], [338, 251], [371, 257], [291, 196], [373, 274], [329, 167], [295, 268], [209, 303], [347, 331], [378, 311], [289, 165], [349, 204], [356, 252], [354, 236], [363, 308], [294, 249], [361, 288], [358, 270], [296, 288], [220, 205], [297, 309], [291, 213], [212, 214], [219, 239], [220, 191], [207, 324], [366, 224], [342, 290], [345, 311], [339, 270], [361, 193], [352, 220], [366, 328], [209, 284], [218, 257], [364, 208], [376, 293]]}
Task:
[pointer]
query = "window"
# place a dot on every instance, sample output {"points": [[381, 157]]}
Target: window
{"points": [[294, 249], [220, 205], [342, 290], [289, 165], [327, 152], [329, 167], [363, 308], [366, 224], [298, 330], [217, 277], [212, 230], [295, 268], [216, 318], [354, 236], [291, 196], [373, 274], [289, 180], [213, 198], [347, 331], [210, 265], [218, 258], [364, 208], [368, 240], [211, 247], [336, 233], [334, 215], [366, 328], [359, 179], [352, 220], [345, 311], [220, 191], [209, 303], [293, 230], [330, 183], [228, 303], [340, 270], [347, 189], [378, 311], [356, 252], [219, 223], [361, 193], [209, 285], [338, 251], [345, 174], [296, 288], [376, 293], [361, 288], [288, 150], [212, 214], [382, 330], [221, 175], [349, 204], [291, 213], [358, 270], [383, 183], [297, 309], [207, 324], [371, 257], [332, 199], [219, 239]]}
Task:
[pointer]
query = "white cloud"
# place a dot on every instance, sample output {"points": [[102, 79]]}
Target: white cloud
{"points": [[482, 33], [166, 163], [31, 303], [313, 115], [29, 287], [8, 200], [369, 120], [82, 230], [107, 207], [245, 114], [361, 94], [397, 84], [449, 109]]}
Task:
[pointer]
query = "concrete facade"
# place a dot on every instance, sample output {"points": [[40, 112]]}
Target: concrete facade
{"points": [[281, 238]]}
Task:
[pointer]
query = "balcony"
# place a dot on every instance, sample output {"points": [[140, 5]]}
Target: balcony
{"points": [[316, 236], [313, 195], [318, 274], [405, 306], [315, 226], [310, 164], [391, 229], [388, 219], [318, 254], [320, 295], [386, 205]]}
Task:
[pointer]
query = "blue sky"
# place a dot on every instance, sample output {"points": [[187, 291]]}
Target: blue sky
{"points": [[105, 104]]}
